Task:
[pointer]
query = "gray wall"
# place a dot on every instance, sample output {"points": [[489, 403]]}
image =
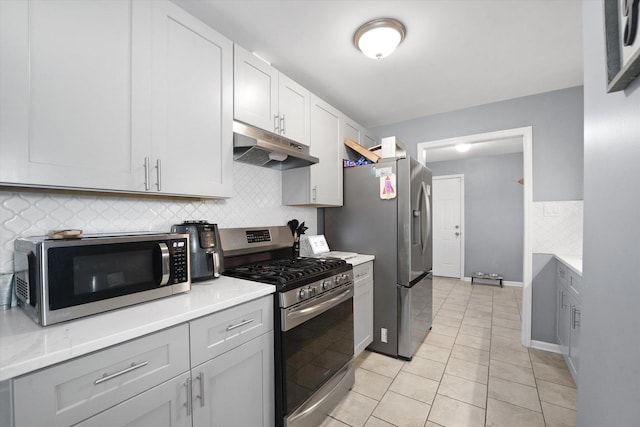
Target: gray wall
{"points": [[557, 121], [494, 213], [543, 305], [609, 376]]}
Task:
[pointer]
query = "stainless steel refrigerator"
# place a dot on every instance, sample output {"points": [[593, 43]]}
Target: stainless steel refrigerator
{"points": [[387, 213]]}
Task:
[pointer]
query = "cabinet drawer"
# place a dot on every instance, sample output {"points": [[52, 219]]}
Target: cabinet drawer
{"points": [[363, 272], [72, 391], [163, 405], [220, 332]]}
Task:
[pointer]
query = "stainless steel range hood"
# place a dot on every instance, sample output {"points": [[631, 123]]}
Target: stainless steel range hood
{"points": [[261, 148]]}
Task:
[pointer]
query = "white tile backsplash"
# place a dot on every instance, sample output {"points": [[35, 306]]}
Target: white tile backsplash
{"points": [[557, 227], [256, 201]]}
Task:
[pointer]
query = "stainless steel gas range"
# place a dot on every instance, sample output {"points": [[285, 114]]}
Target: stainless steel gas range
{"points": [[313, 320]]}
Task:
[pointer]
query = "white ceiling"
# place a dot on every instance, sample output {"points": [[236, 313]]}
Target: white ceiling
{"points": [[457, 53], [478, 149]]}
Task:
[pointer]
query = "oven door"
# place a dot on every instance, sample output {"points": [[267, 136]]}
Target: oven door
{"points": [[317, 344]]}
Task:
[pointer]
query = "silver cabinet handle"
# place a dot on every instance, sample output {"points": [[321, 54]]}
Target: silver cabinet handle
{"points": [[562, 304], [189, 403], [276, 123], [238, 325], [282, 122], [575, 313], [147, 186], [314, 193], [107, 377], [159, 174], [201, 395]]}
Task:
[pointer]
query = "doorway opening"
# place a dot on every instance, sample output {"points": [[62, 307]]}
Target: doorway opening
{"points": [[524, 137], [448, 226]]}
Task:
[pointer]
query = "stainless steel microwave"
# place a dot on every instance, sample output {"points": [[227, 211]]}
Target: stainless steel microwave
{"points": [[59, 280]]}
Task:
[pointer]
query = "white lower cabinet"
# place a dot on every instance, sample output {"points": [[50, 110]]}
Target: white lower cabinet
{"points": [[233, 374], [575, 309], [153, 380], [568, 315], [162, 406], [362, 307], [236, 388]]}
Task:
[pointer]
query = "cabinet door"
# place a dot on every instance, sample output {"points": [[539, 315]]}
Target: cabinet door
{"points": [[294, 110], [193, 84], [162, 406], [237, 387], [369, 140], [319, 184], [353, 131], [562, 326], [326, 142], [363, 307], [255, 86], [574, 334], [75, 95]]}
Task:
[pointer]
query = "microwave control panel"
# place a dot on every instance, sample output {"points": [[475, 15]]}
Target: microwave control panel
{"points": [[179, 262]]}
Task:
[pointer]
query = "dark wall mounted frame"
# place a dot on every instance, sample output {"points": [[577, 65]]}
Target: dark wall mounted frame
{"points": [[619, 74]]}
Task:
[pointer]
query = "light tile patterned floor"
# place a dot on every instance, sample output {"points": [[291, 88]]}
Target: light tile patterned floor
{"points": [[470, 371]]}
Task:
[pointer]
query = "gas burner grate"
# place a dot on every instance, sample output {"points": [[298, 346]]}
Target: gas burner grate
{"points": [[287, 271]]}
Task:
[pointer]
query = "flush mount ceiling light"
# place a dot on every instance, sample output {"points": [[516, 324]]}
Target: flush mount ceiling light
{"points": [[463, 148], [380, 37]]}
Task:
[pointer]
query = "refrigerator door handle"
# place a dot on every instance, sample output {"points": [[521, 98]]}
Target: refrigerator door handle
{"points": [[424, 234]]}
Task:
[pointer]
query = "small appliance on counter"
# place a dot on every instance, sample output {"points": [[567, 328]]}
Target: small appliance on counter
{"points": [[317, 247], [62, 279], [206, 260]]}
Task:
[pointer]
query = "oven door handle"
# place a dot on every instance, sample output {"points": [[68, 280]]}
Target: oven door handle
{"points": [[295, 316]]}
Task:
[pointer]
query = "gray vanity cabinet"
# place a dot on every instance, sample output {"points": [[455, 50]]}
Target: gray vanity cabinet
{"points": [[568, 312]]}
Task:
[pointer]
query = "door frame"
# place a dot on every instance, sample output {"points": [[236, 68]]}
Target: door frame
{"points": [[462, 225], [526, 137]]}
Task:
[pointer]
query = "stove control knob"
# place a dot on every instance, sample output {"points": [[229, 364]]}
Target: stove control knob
{"points": [[341, 279], [302, 294], [311, 291], [326, 284]]}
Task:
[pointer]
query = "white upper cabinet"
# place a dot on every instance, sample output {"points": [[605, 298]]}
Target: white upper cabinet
{"points": [[255, 85], [266, 98], [294, 110], [319, 184], [114, 96], [369, 140], [193, 106], [74, 104]]}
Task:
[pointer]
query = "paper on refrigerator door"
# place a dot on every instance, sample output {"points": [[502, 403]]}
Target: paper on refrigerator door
{"points": [[388, 187]]}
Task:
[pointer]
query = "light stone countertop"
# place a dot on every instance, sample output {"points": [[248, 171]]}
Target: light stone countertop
{"points": [[574, 262], [26, 346], [360, 259]]}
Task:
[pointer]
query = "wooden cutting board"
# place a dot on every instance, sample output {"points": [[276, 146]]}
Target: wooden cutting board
{"points": [[363, 151]]}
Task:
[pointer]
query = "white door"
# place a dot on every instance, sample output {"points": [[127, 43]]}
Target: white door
{"points": [[448, 193]]}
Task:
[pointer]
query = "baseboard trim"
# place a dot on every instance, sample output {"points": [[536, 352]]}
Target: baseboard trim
{"points": [[512, 284], [546, 346]]}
